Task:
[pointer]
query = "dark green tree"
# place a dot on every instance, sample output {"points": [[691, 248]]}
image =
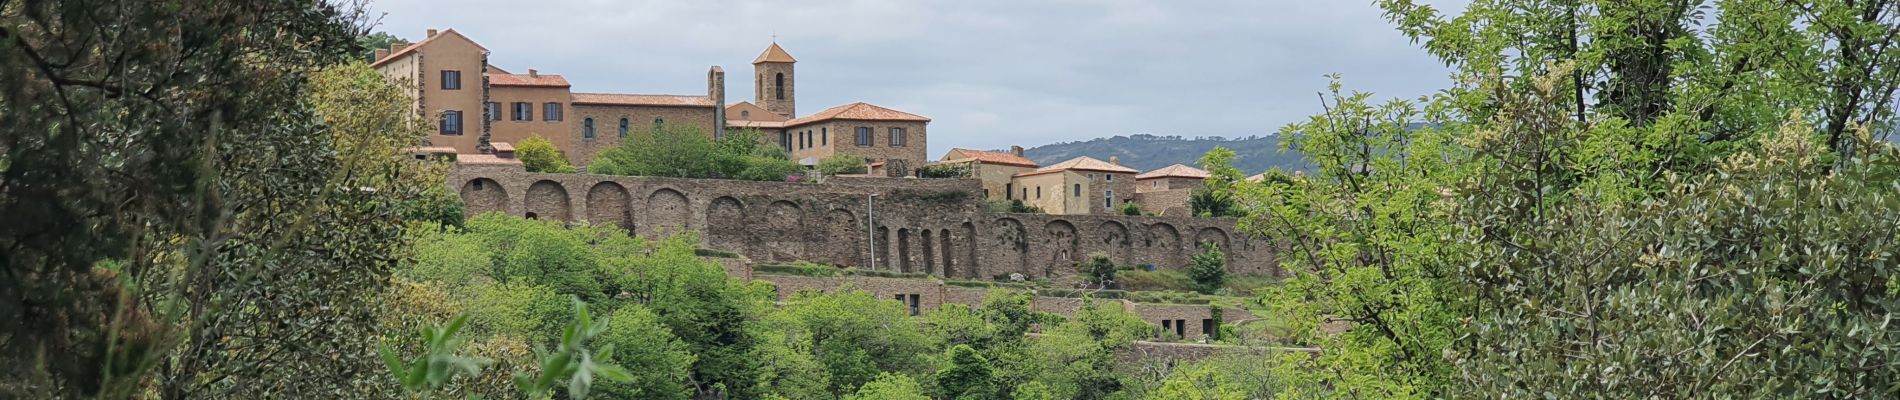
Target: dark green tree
{"points": [[1208, 269], [968, 377]]}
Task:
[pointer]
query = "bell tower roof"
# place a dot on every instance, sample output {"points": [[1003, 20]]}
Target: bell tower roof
{"points": [[774, 54]]}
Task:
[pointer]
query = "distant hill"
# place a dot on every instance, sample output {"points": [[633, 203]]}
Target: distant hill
{"points": [[1148, 152]]}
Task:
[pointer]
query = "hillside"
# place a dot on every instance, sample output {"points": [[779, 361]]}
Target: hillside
{"points": [[1148, 152]]}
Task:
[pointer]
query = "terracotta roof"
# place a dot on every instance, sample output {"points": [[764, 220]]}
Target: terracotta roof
{"points": [[619, 99], [993, 157], [1083, 163], [484, 159], [774, 53], [858, 111], [496, 70], [412, 48], [502, 146], [1174, 171], [735, 123], [537, 80]]}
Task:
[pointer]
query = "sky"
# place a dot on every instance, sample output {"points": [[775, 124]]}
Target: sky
{"points": [[989, 73]]}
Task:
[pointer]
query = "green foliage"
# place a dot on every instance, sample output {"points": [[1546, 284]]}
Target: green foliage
{"points": [[1221, 378], [439, 362], [1208, 269], [1215, 198], [969, 375], [853, 335], [843, 164], [1098, 269], [797, 270], [889, 387], [573, 363], [957, 170], [537, 154], [1131, 209], [658, 361], [367, 44], [1079, 354], [686, 152]]}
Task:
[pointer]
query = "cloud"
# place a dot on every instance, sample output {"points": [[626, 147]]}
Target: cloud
{"points": [[990, 73]]}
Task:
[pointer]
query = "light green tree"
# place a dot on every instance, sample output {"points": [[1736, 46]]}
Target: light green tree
{"points": [[537, 154], [1208, 269], [889, 387]]}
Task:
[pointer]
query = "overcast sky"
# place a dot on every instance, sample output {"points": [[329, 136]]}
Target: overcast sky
{"points": [[989, 73]]}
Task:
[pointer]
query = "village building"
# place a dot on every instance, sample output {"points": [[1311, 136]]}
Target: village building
{"points": [[997, 169], [477, 104], [1082, 185], [1166, 191]]}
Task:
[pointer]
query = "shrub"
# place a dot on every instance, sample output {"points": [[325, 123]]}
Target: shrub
{"points": [[1209, 269], [958, 170], [843, 164], [1097, 269], [1131, 209], [537, 154], [685, 152]]}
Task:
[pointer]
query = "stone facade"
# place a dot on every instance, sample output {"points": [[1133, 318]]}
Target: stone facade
{"points": [[932, 226], [420, 66], [1172, 203], [641, 120], [821, 139], [508, 129]]}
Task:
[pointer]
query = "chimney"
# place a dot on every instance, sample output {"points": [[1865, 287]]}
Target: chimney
{"points": [[431, 32], [1017, 150], [398, 46], [1115, 160], [381, 54], [533, 73]]}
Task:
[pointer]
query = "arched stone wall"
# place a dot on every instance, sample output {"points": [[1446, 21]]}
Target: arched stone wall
{"points": [[785, 230], [973, 268], [607, 204], [1063, 244], [667, 212], [1163, 246], [903, 250], [1212, 235], [926, 240], [1013, 238], [549, 201], [883, 246], [726, 225], [483, 195], [948, 252], [844, 238], [1115, 242]]}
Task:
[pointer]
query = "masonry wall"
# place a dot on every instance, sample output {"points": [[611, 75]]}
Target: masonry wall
{"points": [[835, 136], [452, 54], [929, 226], [581, 150], [509, 130], [1173, 203]]}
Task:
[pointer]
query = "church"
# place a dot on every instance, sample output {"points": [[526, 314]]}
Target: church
{"points": [[482, 109]]}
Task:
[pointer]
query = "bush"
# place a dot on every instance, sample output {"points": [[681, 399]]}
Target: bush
{"points": [[805, 269], [843, 164], [958, 170], [1131, 209], [685, 152], [1097, 269], [537, 154], [1209, 269]]}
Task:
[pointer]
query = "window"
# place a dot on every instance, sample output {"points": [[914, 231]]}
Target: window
{"points": [[1038, 192], [1026, 193], [551, 111], [1078, 190], [1091, 177], [897, 136], [451, 80], [743, 114], [523, 111], [780, 86], [623, 128], [824, 136], [1108, 199], [658, 124], [801, 140], [914, 303], [451, 122], [494, 111], [1155, 185], [1009, 191], [1108, 177], [785, 140], [864, 136], [587, 129]]}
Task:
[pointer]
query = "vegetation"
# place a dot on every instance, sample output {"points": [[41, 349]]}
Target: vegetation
{"points": [[1098, 269], [537, 154], [1208, 269], [687, 152], [1131, 208], [843, 164], [1011, 206], [958, 170]]}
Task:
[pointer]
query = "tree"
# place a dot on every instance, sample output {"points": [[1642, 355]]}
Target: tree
{"points": [[1080, 353], [968, 376], [889, 387], [1215, 198], [1131, 209], [1098, 269], [686, 152], [537, 154], [842, 164], [373, 41], [656, 361], [1208, 269], [853, 335]]}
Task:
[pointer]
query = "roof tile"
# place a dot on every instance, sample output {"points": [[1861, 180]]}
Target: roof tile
{"points": [[858, 111], [537, 80], [1084, 163], [994, 157], [620, 99], [1174, 171]]}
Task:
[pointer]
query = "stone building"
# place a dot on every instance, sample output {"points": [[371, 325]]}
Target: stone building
{"points": [[1082, 185], [1167, 190], [477, 104], [996, 169]]}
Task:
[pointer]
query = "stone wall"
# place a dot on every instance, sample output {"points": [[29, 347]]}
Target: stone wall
{"points": [[580, 150], [1173, 203], [932, 226]]}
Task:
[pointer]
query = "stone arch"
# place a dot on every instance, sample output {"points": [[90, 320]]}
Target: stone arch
{"points": [[947, 251], [1115, 241], [1013, 240], [972, 268], [925, 240], [1063, 246], [483, 195], [607, 204], [883, 246], [725, 224], [1212, 235], [1163, 245], [785, 225], [668, 212], [548, 199], [846, 242], [903, 250]]}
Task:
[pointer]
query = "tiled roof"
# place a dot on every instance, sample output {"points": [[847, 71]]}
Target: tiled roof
{"points": [[412, 48], [1174, 171], [537, 80], [774, 53], [1083, 163], [735, 123], [484, 159], [502, 146], [993, 157], [666, 100], [858, 111]]}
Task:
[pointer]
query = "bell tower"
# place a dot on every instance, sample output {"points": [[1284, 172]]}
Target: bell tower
{"points": [[773, 74]]}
